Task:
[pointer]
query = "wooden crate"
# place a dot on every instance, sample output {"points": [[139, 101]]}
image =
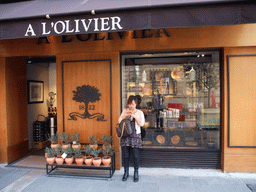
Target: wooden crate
{"points": [[41, 145]]}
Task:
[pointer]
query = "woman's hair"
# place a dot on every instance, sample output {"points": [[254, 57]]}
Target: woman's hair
{"points": [[130, 99]]}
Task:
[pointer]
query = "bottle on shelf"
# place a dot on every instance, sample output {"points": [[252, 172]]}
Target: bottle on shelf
{"points": [[144, 76]]}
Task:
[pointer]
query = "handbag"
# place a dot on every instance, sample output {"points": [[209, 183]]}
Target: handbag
{"points": [[143, 133], [124, 129]]}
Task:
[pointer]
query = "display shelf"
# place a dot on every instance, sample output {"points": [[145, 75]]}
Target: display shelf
{"points": [[177, 137], [57, 170], [209, 127], [171, 137]]}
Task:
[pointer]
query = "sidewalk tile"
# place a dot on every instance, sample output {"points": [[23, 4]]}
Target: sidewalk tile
{"points": [[221, 188], [200, 182], [208, 189], [184, 179], [115, 189], [212, 180], [97, 188], [8, 176], [249, 181], [117, 184], [187, 187], [133, 189], [243, 188], [170, 189], [147, 178], [148, 186]]}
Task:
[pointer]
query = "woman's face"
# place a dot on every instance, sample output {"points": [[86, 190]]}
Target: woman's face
{"points": [[132, 105]]}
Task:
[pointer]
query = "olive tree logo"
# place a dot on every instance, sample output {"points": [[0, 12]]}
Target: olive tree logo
{"points": [[86, 94]]}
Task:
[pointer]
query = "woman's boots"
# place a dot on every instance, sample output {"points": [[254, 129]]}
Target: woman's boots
{"points": [[126, 174], [136, 175]]}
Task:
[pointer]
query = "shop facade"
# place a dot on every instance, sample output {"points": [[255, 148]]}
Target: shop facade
{"points": [[195, 84]]}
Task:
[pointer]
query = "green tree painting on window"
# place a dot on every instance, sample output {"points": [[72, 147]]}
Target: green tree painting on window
{"points": [[86, 94]]}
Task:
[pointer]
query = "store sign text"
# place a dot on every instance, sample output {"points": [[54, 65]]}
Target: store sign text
{"points": [[79, 26], [146, 33]]}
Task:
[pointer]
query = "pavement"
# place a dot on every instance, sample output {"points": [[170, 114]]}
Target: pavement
{"points": [[150, 179]]}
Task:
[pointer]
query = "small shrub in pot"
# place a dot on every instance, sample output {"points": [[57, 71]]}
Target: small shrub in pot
{"points": [[75, 139]]}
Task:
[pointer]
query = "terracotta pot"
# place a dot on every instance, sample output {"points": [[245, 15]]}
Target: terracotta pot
{"points": [[69, 161], [59, 160], [50, 160], [79, 161], [96, 161], [88, 161], [94, 146], [54, 145], [65, 146], [106, 160], [76, 146]]}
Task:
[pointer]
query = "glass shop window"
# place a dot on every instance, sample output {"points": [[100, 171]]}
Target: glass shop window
{"points": [[179, 94]]}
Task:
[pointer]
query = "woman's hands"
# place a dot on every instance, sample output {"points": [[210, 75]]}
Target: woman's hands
{"points": [[126, 114], [132, 114], [139, 118]]}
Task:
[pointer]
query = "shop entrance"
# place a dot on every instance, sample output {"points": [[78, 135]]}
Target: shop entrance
{"points": [[40, 102], [180, 96]]}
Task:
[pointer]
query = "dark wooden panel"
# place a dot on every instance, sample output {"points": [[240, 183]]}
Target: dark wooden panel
{"points": [[173, 158]]}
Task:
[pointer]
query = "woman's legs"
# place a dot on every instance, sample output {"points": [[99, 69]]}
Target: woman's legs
{"points": [[126, 154], [136, 155]]}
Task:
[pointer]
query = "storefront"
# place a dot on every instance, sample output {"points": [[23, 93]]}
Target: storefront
{"points": [[179, 93], [190, 77]]}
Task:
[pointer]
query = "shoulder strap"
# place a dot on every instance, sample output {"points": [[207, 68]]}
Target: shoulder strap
{"points": [[122, 130]]}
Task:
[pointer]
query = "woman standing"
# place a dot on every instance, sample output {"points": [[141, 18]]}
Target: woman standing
{"points": [[133, 142]]}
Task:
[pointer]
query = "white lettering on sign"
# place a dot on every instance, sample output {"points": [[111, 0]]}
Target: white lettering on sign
{"points": [[78, 26], [30, 30], [116, 21], [86, 27], [62, 27], [104, 22], [96, 20], [44, 29], [67, 27]]}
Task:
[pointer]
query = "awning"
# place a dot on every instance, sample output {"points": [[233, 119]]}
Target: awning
{"points": [[37, 18]]}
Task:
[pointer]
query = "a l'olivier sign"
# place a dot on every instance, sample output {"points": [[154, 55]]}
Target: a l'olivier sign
{"points": [[76, 26]]}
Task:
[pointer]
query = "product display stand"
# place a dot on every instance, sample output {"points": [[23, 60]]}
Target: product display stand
{"points": [[58, 170]]}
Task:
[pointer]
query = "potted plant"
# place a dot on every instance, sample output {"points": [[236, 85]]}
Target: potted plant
{"points": [[96, 160], [88, 158], [79, 158], [65, 140], [69, 158], [59, 151], [75, 139], [54, 140], [50, 155], [93, 142], [107, 152], [107, 140]]}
